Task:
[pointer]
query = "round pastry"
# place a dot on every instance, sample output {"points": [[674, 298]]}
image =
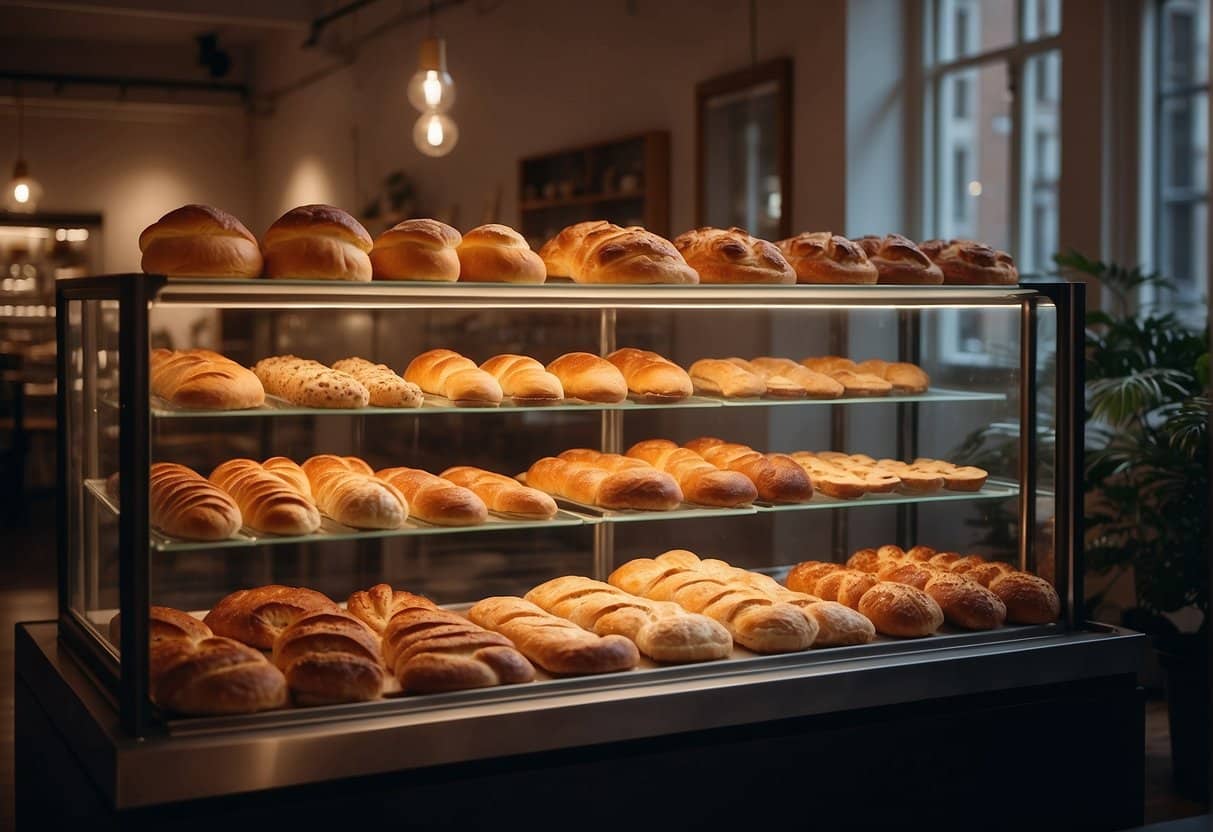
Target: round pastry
{"points": [[901, 610], [824, 257], [970, 263], [199, 241], [899, 261], [985, 573], [498, 254], [965, 603], [804, 576], [1029, 599], [418, 249], [865, 560], [317, 242], [733, 256]]}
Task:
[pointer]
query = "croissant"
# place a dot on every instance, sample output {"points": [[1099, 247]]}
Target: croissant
{"points": [[602, 252], [347, 491]]}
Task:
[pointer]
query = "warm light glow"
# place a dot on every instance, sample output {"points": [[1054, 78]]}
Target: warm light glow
{"points": [[435, 134], [77, 235], [21, 193], [974, 188], [432, 88]]}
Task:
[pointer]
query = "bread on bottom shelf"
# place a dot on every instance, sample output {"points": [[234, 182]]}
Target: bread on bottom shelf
{"points": [[502, 494], [375, 607], [258, 616], [329, 656], [557, 645]]}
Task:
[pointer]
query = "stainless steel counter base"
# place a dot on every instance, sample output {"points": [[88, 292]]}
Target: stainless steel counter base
{"points": [[218, 762]]}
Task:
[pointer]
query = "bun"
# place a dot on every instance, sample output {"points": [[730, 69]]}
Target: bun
{"points": [[823, 257], [555, 644], [717, 377], [651, 376], [602, 252], [700, 481], [203, 380], [589, 378], [417, 249], [523, 378], [434, 499], [777, 386], [815, 385], [347, 491], [906, 378], [317, 242], [966, 603], [163, 624], [1029, 599], [384, 387], [329, 656], [970, 263], [901, 610], [899, 261], [213, 676], [258, 616], [185, 505], [498, 254], [268, 502], [308, 383], [503, 495], [733, 256], [641, 487], [199, 241], [448, 374], [778, 478]]}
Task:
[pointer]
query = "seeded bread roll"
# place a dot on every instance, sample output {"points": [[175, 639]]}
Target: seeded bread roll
{"points": [[498, 254], [823, 257], [199, 241], [417, 249], [317, 242], [308, 383], [385, 388]]}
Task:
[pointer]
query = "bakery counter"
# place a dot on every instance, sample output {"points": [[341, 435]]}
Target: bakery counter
{"points": [[1077, 687]]}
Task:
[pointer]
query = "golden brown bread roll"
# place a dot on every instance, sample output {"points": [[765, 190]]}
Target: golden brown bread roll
{"points": [[383, 386], [899, 261], [823, 257], [496, 253], [778, 478], [524, 379], [589, 378], [985, 573], [199, 241], [329, 656], [955, 477], [375, 607], [163, 623], [184, 504], [865, 560], [901, 610], [970, 263], [434, 499], [417, 249], [317, 242], [1029, 599], [602, 252], [259, 615], [650, 376], [345, 489], [308, 383], [717, 377], [906, 378], [557, 645], [830, 479], [608, 481], [815, 385], [213, 676], [778, 386], [203, 380], [268, 502], [448, 374], [803, 577], [731, 255], [502, 494], [700, 481], [966, 603], [846, 586], [664, 632]]}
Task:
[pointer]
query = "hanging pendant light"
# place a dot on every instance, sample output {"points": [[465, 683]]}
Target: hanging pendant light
{"points": [[22, 192], [432, 91]]}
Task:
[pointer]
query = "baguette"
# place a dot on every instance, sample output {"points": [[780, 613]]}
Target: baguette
{"points": [[642, 487], [203, 380], [557, 645], [258, 616], [589, 378], [700, 481], [502, 494], [308, 383], [650, 376], [268, 501], [385, 388], [184, 504], [329, 656], [434, 499], [524, 379], [663, 631], [754, 620], [448, 374], [718, 377], [347, 491], [778, 478]]}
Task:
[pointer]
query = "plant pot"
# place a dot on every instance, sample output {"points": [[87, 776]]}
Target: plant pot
{"points": [[1187, 687]]}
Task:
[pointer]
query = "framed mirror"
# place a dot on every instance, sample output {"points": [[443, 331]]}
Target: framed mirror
{"points": [[744, 150]]}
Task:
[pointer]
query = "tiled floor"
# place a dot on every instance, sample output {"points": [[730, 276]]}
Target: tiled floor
{"points": [[27, 567]]}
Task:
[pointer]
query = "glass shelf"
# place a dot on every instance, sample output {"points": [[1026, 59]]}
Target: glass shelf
{"points": [[992, 490]]}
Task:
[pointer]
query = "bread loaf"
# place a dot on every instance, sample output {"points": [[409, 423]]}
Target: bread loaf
{"points": [[594, 483], [776, 476], [895, 609], [203, 380], [329, 656], [258, 616], [846, 372], [1029, 599], [731, 255], [816, 385], [384, 387], [601, 252], [823, 257], [199, 241], [213, 676], [664, 632], [589, 378], [970, 263], [778, 386], [434, 499], [417, 249], [557, 645], [717, 377], [317, 242], [267, 501], [502, 494], [899, 261], [906, 378], [290, 471], [496, 253], [448, 374], [650, 376], [346, 490], [830, 479], [163, 624], [524, 379], [308, 383], [183, 504], [376, 606], [700, 481]]}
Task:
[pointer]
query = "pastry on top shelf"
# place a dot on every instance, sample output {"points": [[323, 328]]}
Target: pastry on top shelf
{"points": [[899, 261], [417, 249], [650, 376], [199, 241], [970, 263], [823, 257], [496, 253], [204, 380], [383, 385], [731, 255], [317, 242], [524, 379], [601, 252], [448, 374], [589, 378], [308, 383]]}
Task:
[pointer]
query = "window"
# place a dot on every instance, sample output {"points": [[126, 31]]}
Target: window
{"points": [[1181, 142]]}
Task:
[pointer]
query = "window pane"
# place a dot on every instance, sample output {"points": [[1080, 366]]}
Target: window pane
{"points": [[969, 27], [1184, 51], [1041, 162], [973, 184], [1184, 247], [1041, 18], [1184, 143]]}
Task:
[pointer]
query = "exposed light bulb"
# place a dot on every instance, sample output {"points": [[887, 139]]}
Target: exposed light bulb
{"points": [[431, 89], [435, 134], [23, 191]]}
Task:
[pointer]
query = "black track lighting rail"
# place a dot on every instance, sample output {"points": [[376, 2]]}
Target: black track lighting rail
{"points": [[127, 82]]}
